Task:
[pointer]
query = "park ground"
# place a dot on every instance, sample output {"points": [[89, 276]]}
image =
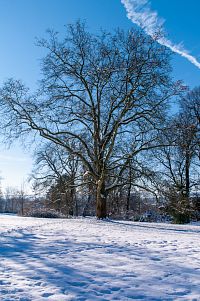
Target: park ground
{"points": [[86, 259]]}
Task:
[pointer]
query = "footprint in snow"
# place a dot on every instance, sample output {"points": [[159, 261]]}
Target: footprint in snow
{"points": [[155, 258], [46, 295]]}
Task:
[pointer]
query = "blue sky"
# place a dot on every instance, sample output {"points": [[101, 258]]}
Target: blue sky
{"points": [[21, 21]]}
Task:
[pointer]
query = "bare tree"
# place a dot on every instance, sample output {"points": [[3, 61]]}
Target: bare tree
{"points": [[190, 106], [56, 172], [21, 195], [11, 200], [2, 201], [178, 165], [99, 91]]}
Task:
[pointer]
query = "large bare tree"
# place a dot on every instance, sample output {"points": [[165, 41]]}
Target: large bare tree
{"points": [[101, 92]]}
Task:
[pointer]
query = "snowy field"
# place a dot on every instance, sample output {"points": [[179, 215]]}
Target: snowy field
{"points": [[85, 259]]}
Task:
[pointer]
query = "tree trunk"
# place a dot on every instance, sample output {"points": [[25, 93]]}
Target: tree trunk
{"points": [[22, 207], [128, 199], [101, 211], [187, 175], [76, 206], [129, 188]]}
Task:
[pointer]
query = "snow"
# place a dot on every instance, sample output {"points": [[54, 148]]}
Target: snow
{"points": [[86, 259]]}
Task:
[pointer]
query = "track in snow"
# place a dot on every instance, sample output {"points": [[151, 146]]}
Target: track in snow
{"points": [[85, 259]]}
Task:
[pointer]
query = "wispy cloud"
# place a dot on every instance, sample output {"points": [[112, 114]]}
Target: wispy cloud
{"points": [[140, 13]]}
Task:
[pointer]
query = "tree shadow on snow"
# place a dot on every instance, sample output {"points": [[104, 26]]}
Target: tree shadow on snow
{"points": [[92, 271], [158, 226]]}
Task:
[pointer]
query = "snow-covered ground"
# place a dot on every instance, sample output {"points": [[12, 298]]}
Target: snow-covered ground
{"points": [[86, 259]]}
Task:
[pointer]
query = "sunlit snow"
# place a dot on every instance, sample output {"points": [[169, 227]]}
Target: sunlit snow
{"points": [[86, 259]]}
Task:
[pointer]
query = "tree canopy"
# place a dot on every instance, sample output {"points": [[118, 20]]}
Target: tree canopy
{"points": [[102, 98]]}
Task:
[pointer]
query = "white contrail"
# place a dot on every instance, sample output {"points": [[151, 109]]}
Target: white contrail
{"points": [[139, 12]]}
